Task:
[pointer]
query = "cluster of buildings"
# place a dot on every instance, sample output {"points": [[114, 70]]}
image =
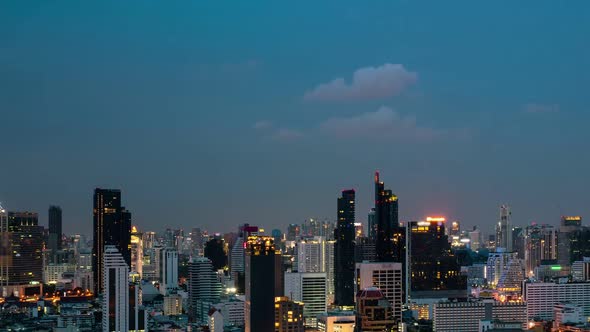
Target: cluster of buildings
{"points": [[318, 276]]}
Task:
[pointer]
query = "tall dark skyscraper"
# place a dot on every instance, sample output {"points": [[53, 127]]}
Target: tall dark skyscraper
{"points": [[433, 265], [55, 231], [261, 279], [344, 250], [112, 226], [386, 219]]}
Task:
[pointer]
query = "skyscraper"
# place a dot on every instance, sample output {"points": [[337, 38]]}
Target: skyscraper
{"points": [[344, 250], [504, 229], [115, 305], [55, 232], [168, 270], [112, 226], [386, 218], [260, 284], [203, 286]]}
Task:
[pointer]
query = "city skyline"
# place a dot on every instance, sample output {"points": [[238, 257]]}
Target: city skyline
{"points": [[460, 113]]}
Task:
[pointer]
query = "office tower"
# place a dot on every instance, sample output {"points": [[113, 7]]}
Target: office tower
{"points": [[136, 251], [465, 316], [55, 232], [540, 297], [260, 284], [313, 255], [115, 304], [504, 229], [475, 239], [149, 240], [293, 232], [373, 311], [518, 240], [288, 315], [112, 226], [203, 287], [364, 250], [168, 270], [580, 244], [197, 240], [568, 227], [341, 321], [581, 270], [433, 266], [540, 245], [309, 288], [387, 277], [386, 215], [21, 245], [138, 318], [344, 250], [505, 271], [497, 262], [372, 225], [214, 250]]}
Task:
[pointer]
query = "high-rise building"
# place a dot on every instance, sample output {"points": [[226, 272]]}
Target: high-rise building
{"points": [[433, 266], [364, 250], [465, 316], [136, 251], [540, 245], [581, 270], [288, 315], [386, 216], [168, 270], [203, 287], [568, 227], [21, 246], [475, 239], [518, 242], [385, 276], [309, 288], [112, 226], [504, 229], [115, 305], [580, 244], [540, 297], [372, 225], [260, 284], [55, 232], [214, 250], [373, 311], [344, 250]]}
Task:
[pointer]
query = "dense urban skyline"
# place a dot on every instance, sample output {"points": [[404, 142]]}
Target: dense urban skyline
{"points": [[209, 115]]}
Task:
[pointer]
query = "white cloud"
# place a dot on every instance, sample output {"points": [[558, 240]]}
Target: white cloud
{"points": [[263, 124], [541, 108], [383, 123], [367, 83], [285, 134]]}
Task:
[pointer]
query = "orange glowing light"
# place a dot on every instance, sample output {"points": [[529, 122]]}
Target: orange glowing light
{"points": [[436, 219]]}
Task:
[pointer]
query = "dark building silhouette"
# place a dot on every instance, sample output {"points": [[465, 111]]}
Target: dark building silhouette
{"points": [[344, 250], [579, 246], [55, 230], [112, 226], [261, 262], [433, 266], [23, 238], [215, 252], [386, 219]]}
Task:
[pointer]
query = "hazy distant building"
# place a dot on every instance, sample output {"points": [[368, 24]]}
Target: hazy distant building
{"points": [[540, 244], [504, 229], [55, 228]]}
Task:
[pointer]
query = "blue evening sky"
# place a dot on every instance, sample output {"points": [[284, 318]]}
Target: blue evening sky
{"points": [[215, 113]]}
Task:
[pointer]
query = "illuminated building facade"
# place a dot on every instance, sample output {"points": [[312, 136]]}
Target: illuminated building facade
{"points": [[288, 315], [465, 316], [112, 226], [541, 297], [373, 311], [540, 245], [433, 266], [260, 284], [309, 288], [136, 251], [344, 250], [385, 276]]}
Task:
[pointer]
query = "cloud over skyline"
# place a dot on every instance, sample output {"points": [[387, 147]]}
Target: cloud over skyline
{"points": [[367, 83], [383, 123], [541, 108]]}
